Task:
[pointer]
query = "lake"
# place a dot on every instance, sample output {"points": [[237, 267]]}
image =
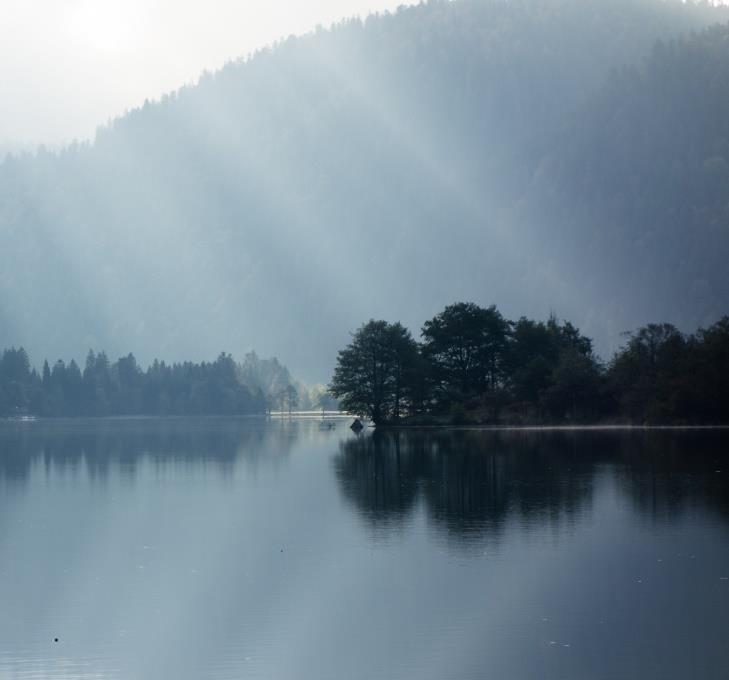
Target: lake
{"points": [[245, 548]]}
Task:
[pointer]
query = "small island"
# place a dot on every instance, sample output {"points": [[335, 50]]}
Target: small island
{"points": [[474, 366]]}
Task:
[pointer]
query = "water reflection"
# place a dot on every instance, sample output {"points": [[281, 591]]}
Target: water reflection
{"points": [[471, 482], [219, 549], [95, 446]]}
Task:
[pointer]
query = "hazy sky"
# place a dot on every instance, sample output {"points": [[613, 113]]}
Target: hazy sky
{"points": [[67, 66]]}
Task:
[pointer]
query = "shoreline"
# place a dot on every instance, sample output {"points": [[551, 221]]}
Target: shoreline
{"points": [[341, 418], [551, 428]]}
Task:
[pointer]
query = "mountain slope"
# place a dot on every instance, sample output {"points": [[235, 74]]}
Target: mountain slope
{"points": [[384, 168], [637, 186]]}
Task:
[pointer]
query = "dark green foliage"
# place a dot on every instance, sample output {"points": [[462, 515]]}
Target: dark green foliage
{"points": [[374, 372], [575, 390], [123, 388], [662, 375], [710, 372], [552, 366], [466, 347], [649, 375], [475, 365]]}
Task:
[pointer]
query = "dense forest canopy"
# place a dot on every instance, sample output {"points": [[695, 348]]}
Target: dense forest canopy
{"points": [[124, 388], [551, 154], [474, 366]]}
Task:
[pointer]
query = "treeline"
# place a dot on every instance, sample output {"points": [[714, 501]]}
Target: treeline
{"points": [[479, 137], [123, 388], [474, 365]]}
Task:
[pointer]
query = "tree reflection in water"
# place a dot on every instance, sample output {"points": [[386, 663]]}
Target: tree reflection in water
{"points": [[472, 481], [96, 445]]}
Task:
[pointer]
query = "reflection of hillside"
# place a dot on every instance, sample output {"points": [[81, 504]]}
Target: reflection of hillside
{"points": [[471, 482], [98, 445]]}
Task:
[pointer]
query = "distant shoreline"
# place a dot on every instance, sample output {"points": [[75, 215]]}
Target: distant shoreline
{"points": [[343, 418]]}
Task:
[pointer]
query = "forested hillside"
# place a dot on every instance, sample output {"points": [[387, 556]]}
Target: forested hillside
{"points": [[524, 153], [637, 184]]}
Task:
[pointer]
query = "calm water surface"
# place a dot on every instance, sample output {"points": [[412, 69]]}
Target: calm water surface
{"points": [[230, 549]]}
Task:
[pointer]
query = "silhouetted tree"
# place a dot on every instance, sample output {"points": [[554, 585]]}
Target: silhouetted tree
{"points": [[575, 391], [709, 372], [372, 372], [474, 364], [649, 373], [466, 346]]}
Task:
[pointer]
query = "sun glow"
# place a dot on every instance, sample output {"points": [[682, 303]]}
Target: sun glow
{"points": [[101, 25]]}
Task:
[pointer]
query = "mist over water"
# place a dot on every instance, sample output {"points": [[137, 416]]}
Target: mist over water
{"points": [[453, 213], [226, 548]]}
